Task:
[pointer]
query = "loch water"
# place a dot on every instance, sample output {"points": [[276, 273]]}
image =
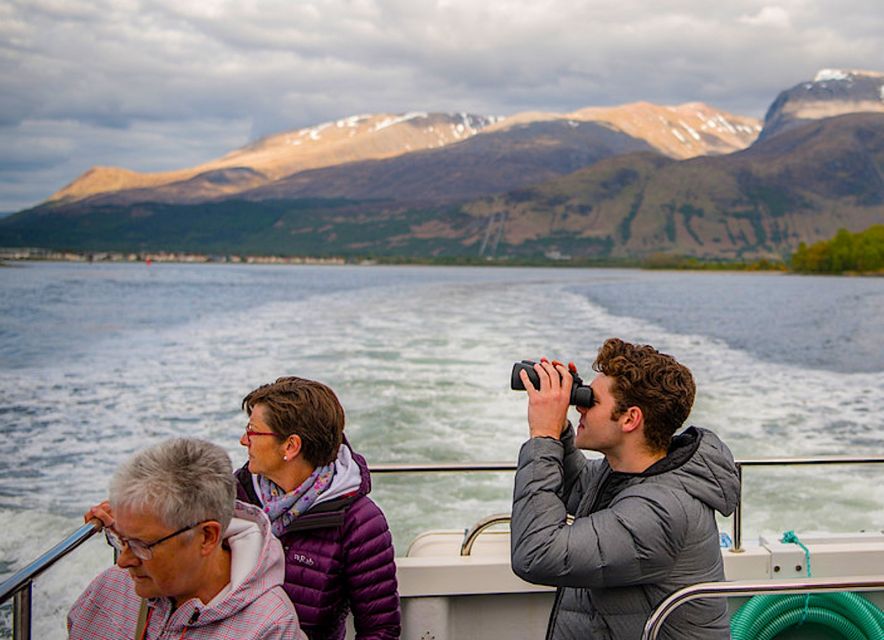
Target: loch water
{"points": [[100, 360]]}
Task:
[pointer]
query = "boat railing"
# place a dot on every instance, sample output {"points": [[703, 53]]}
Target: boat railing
{"points": [[737, 518], [19, 586], [753, 588]]}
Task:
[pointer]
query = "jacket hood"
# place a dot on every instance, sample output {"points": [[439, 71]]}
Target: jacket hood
{"points": [[351, 475], [704, 467], [257, 565]]}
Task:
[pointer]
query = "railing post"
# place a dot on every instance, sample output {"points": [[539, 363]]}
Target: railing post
{"points": [[21, 613], [738, 515]]}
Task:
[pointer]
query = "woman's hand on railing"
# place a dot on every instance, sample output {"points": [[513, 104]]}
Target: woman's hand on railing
{"points": [[101, 512]]}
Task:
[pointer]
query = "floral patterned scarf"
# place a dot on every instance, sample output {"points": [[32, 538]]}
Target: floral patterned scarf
{"points": [[282, 508]]}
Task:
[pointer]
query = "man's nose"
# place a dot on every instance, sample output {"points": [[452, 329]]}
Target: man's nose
{"points": [[126, 558], [244, 439]]}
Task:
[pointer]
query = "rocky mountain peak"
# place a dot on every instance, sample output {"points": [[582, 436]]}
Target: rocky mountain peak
{"points": [[682, 131], [352, 139], [832, 92]]}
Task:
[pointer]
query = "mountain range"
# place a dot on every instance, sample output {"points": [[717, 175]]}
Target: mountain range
{"points": [[600, 182]]}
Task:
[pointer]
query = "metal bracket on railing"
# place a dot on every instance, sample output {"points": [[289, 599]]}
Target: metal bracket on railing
{"points": [[753, 588], [472, 534]]}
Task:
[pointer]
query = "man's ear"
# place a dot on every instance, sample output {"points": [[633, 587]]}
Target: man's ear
{"points": [[211, 536], [632, 419]]}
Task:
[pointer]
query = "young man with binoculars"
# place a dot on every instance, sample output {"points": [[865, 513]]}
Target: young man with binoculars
{"points": [[643, 515]]}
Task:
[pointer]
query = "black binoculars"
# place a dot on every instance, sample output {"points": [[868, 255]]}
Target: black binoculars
{"points": [[581, 394]]}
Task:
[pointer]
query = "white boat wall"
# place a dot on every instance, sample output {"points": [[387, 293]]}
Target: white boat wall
{"points": [[448, 596], [459, 585]]}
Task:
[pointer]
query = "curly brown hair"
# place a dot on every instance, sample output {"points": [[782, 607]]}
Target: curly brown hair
{"points": [[306, 408], [652, 381]]}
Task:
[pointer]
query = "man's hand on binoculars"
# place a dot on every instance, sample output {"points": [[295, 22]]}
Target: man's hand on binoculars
{"points": [[548, 406]]}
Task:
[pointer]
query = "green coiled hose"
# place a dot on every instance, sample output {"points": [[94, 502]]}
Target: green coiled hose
{"points": [[849, 615]]}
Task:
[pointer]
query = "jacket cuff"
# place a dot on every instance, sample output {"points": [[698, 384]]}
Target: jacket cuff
{"points": [[536, 449]]}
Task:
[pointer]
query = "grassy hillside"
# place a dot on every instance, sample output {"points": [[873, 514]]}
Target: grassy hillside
{"points": [[311, 227]]}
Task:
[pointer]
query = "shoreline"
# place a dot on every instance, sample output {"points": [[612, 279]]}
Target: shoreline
{"points": [[10, 256]]}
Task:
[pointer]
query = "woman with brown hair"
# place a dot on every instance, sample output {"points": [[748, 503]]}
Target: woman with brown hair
{"points": [[314, 488]]}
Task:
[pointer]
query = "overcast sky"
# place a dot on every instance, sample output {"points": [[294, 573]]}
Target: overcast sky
{"points": [[162, 84]]}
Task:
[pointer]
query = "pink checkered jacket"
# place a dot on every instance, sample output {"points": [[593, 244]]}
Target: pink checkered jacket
{"points": [[256, 607]]}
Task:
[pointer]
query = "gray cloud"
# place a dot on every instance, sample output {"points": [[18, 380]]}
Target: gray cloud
{"points": [[161, 84]]}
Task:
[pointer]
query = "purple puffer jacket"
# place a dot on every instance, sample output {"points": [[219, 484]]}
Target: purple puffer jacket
{"points": [[339, 557]]}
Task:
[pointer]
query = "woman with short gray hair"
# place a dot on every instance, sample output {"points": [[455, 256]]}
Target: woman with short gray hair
{"points": [[191, 561], [182, 481]]}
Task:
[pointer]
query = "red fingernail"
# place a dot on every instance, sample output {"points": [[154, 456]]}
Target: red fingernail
{"points": [[557, 363], [572, 367], [544, 360]]}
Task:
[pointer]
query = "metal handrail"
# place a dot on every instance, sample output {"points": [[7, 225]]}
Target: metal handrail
{"points": [[472, 535], [19, 585], [440, 467], [752, 588], [449, 467], [738, 512]]}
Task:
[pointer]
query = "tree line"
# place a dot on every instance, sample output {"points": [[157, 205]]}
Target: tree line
{"points": [[859, 252]]}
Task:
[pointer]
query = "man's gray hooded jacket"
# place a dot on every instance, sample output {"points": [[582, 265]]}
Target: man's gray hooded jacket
{"points": [[620, 558]]}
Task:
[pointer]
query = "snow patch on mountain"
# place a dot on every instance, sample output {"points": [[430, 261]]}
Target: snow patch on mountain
{"points": [[389, 122], [831, 74], [689, 129], [352, 121]]}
